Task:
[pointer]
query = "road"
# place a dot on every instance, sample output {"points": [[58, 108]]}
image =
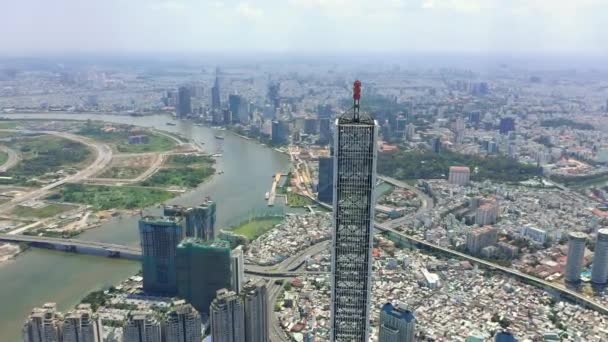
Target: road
{"points": [[102, 159], [13, 158]]}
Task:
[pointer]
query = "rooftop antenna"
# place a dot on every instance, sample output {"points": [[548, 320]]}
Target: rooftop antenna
{"points": [[356, 98]]}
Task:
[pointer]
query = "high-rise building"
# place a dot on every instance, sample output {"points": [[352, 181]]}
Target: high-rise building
{"points": [[203, 267], [324, 131], [396, 324], [183, 324], [79, 326], [207, 217], [257, 313], [354, 177], [310, 126], [326, 180], [237, 269], [141, 326], [459, 175], [184, 106], [227, 317], [280, 132], [227, 116], [198, 221], [479, 238], [410, 132], [576, 252], [486, 213], [504, 336], [506, 125], [42, 325], [215, 95], [599, 271], [159, 237]]}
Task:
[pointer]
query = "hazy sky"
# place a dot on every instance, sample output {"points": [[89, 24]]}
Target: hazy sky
{"points": [[308, 26]]}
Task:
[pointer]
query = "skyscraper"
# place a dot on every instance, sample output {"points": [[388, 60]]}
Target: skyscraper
{"points": [[198, 221], [256, 311], [79, 326], [280, 132], [202, 269], [576, 252], [326, 180], [184, 107], [234, 104], [507, 125], [42, 325], [354, 177], [207, 217], [237, 269], [396, 324], [159, 237], [324, 131], [183, 324], [599, 271], [215, 94], [227, 317], [141, 326]]}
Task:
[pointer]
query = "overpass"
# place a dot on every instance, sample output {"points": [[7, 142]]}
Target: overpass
{"points": [[551, 287]]}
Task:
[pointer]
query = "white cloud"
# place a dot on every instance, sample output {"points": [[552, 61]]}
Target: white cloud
{"points": [[249, 11]]}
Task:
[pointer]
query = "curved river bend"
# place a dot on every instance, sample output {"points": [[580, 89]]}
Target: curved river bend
{"points": [[39, 276]]}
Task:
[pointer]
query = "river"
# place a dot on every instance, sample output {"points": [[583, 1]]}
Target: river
{"points": [[40, 276]]}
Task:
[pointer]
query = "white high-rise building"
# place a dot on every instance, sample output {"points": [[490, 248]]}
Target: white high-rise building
{"points": [[227, 317], [576, 252], [183, 324], [459, 175], [237, 268], [42, 325], [141, 327], [353, 201], [599, 271], [256, 312], [79, 326]]}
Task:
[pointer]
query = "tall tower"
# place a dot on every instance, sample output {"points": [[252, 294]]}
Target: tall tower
{"points": [[42, 325], [183, 324], [354, 179], [79, 326], [227, 317], [576, 252], [237, 269], [599, 272], [159, 237], [256, 312], [184, 106], [215, 94], [141, 326]]}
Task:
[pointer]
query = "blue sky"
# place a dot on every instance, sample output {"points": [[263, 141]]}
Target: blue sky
{"points": [[307, 26]]}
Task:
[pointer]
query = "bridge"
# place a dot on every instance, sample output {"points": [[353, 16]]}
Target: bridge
{"points": [[76, 246]]}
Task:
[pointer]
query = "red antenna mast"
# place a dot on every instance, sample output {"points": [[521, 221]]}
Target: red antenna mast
{"points": [[356, 98]]}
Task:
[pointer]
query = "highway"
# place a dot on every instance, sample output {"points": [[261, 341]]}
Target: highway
{"points": [[13, 158], [102, 159]]}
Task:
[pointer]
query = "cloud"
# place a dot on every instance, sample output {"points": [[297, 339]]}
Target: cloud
{"points": [[249, 11]]}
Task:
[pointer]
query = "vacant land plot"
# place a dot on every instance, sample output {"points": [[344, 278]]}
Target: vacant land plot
{"points": [[103, 197], [183, 170], [122, 172], [44, 154], [118, 135], [256, 227], [49, 210]]}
